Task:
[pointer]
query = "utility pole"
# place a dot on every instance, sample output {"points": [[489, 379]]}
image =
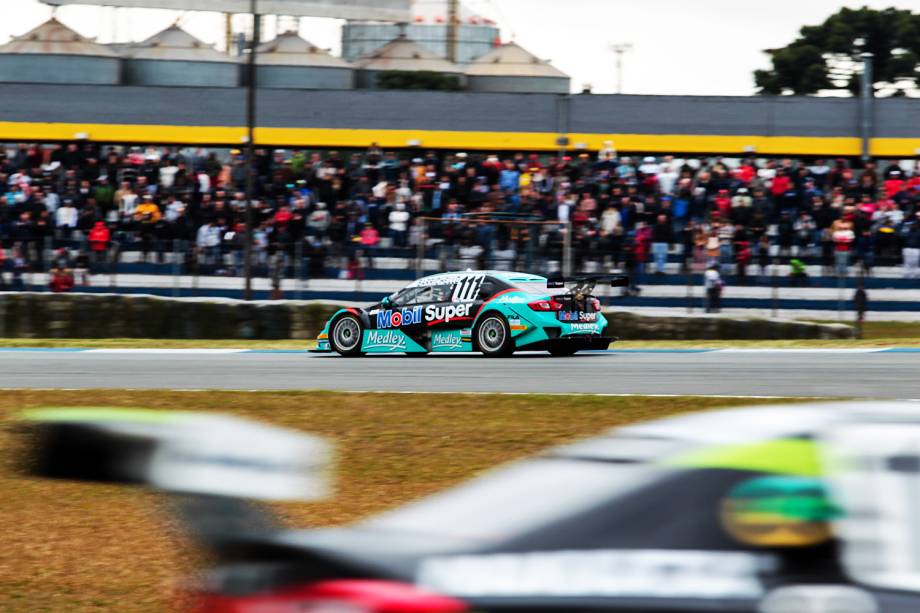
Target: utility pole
{"points": [[866, 107], [453, 19], [250, 144], [619, 49], [228, 32]]}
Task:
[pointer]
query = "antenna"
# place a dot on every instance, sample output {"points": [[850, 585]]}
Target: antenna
{"points": [[619, 49]]}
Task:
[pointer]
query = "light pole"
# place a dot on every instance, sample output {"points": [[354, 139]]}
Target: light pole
{"points": [[250, 145], [866, 95], [453, 12], [619, 49]]}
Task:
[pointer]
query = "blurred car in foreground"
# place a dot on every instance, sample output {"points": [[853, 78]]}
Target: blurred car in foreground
{"points": [[790, 508], [492, 312]]}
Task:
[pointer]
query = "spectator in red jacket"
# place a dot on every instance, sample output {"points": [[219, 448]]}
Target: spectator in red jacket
{"points": [[894, 183], [99, 237], [99, 240], [61, 280], [283, 217], [723, 202], [643, 243], [781, 184]]}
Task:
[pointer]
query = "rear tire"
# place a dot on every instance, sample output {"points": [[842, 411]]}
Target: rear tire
{"points": [[493, 336], [563, 352], [346, 336]]}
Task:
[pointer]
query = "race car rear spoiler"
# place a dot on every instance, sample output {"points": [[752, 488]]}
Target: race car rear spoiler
{"points": [[176, 452], [613, 280], [214, 468]]}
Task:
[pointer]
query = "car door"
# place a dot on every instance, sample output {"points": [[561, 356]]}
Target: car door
{"points": [[455, 304], [403, 312]]}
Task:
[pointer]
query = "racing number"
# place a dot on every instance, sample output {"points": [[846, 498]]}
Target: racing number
{"points": [[467, 289]]}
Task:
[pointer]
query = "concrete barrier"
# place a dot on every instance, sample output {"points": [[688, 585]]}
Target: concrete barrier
{"points": [[629, 325], [44, 315]]}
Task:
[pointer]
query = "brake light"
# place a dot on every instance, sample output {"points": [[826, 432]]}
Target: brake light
{"points": [[545, 305], [341, 596]]}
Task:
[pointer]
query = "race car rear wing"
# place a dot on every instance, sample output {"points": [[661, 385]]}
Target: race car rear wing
{"points": [[213, 468], [176, 452], [613, 280]]}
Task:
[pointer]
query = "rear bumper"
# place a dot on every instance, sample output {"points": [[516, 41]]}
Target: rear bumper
{"points": [[577, 341]]}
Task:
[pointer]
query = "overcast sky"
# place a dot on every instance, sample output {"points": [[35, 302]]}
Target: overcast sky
{"points": [[701, 47]]}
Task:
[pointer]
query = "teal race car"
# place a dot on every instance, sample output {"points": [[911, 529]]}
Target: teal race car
{"points": [[493, 312]]}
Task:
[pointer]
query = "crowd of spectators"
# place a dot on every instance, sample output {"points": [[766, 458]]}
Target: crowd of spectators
{"points": [[622, 211]]}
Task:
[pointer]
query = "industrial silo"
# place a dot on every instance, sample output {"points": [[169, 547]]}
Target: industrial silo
{"points": [[289, 61], [402, 55], [475, 34], [511, 68], [53, 53], [175, 57]]}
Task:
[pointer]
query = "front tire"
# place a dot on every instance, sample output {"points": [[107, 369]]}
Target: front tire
{"points": [[493, 336], [346, 336]]}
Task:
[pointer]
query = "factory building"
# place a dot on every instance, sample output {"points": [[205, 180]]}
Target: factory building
{"points": [[402, 55], [476, 35], [53, 53], [511, 68], [174, 57], [289, 61]]}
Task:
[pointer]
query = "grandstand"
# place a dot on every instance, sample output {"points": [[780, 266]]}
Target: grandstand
{"points": [[349, 227]]}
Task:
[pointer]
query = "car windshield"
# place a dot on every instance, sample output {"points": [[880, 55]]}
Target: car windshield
{"points": [[516, 499]]}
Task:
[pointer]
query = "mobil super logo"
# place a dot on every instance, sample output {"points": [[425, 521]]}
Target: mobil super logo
{"points": [[394, 318]]}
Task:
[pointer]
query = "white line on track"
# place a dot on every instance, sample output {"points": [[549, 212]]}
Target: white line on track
{"points": [[154, 351], [799, 350], [438, 393], [304, 352]]}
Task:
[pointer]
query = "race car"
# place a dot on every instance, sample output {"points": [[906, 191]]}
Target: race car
{"points": [[768, 509], [492, 312]]}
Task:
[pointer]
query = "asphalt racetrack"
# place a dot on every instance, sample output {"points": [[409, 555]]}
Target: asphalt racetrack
{"points": [[885, 374]]}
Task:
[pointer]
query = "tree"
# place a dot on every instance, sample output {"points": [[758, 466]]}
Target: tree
{"points": [[423, 79], [826, 56]]}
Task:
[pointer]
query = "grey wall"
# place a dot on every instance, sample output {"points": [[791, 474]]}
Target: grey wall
{"points": [[522, 85], [403, 110], [20, 68], [755, 115], [187, 74], [296, 77], [897, 117], [44, 315], [499, 112]]}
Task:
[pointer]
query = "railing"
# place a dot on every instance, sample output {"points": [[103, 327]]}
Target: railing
{"points": [[132, 262]]}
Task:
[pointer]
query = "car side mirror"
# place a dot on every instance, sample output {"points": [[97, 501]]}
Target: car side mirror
{"points": [[386, 302]]}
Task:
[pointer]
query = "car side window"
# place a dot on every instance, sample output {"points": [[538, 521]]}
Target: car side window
{"points": [[487, 289], [441, 293], [405, 297], [422, 296], [416, 295]]}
